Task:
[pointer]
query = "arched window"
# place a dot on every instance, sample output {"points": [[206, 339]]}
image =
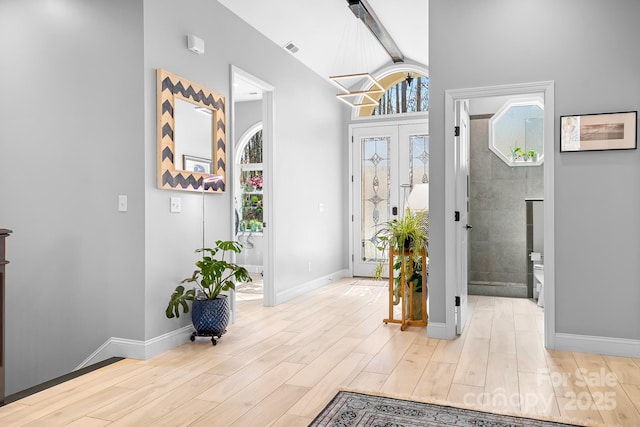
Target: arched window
{"points": [[406, 92], [251, 218]]}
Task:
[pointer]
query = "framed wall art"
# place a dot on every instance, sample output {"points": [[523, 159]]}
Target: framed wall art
{"points": [[196, 164], [594, 132]]}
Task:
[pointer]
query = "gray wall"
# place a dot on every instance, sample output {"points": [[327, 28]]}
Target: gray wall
{"points": [[247, 114], [307, 145], [71, 141], [588, 47], [497, 241], [79, 129]]}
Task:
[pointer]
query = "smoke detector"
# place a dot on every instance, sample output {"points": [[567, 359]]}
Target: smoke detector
{"points": [[292, 48]]}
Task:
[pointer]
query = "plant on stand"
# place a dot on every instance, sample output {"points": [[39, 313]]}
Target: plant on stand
{"points": [[210, 309], [407, 234]]}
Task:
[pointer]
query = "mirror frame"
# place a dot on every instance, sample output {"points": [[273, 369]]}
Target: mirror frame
{"points": [[493, 121], [171, 86]]}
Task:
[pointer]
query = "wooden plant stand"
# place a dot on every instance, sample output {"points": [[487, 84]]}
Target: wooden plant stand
{"points": [[407, 314]]}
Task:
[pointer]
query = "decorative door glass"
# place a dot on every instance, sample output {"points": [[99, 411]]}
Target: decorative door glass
{"points": [[375, 195], [419, 155]]}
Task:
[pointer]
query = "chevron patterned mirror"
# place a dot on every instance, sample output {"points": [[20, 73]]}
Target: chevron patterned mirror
{"points": [[191, 135]]}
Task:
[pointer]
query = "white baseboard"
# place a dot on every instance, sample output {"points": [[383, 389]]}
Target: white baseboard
{"points": [[302, 289], [599, 345], [438, 331], [136, 349]]}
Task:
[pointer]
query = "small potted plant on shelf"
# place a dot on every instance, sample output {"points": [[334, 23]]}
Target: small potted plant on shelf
{"points": [[518, 154], [210, 308], [255, 225]]}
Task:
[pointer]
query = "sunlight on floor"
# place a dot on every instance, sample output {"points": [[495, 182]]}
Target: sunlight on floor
{"points": [[252, 290]]}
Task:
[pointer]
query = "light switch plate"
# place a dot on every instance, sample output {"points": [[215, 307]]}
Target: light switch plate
{"points": [[176, 205], [122, 203]]}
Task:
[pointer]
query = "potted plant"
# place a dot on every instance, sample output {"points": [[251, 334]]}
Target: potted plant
{"points": [[518, 154], [404, 235], [255, 225], [210, 309]]}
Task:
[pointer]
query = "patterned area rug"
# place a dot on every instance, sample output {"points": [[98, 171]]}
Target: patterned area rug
{"points": [[359, 410]]}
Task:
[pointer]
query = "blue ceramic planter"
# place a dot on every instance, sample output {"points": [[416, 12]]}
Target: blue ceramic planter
{"points": [[211, 317]]}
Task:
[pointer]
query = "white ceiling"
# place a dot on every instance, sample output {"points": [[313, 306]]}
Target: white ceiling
{"points": [[332, 41]]}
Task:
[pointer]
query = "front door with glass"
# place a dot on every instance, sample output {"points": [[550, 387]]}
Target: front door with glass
{"points": [[387, 161]]}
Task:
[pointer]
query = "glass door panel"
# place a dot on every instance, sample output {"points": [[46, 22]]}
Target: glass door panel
{"points": [[375, 191], [387, 160], [375, 196]]}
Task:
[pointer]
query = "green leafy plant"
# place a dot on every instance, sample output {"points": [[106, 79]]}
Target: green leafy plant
{"points": [[404, 235], [213, 275], [518, 153], [255, 225], [531, 154]]}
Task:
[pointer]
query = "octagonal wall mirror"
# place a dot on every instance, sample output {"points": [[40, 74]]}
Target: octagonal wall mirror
{"points": [[516, 132], [191, 135]]}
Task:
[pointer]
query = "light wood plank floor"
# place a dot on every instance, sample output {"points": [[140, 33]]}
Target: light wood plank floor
{"points": [[280, 366]]}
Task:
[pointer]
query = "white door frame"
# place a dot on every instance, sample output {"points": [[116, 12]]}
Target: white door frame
{"points": [[451, 96], [422, 120], [268, 147]]}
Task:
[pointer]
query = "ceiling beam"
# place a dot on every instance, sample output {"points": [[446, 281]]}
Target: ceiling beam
{"points": [[365, 13]]}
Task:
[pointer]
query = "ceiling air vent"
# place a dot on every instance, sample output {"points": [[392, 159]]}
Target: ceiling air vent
{"points": [[292, 48]]}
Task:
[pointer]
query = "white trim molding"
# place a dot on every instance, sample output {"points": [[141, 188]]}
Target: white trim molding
{"points": [[137, 349], [598, 345], [437, 330]]}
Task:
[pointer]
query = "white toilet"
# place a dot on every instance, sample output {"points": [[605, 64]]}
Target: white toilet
{"points": [[538, 283]]}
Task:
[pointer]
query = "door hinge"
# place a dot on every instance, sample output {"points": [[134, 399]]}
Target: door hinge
{"points": [[457, 301], [264, 225], [457, 216], [456, 131], [351, 218], [351, 178], [352, 139]]}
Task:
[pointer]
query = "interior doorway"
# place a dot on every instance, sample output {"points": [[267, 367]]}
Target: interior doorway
{"points": [[506, 189], [248, 198], [251, 189], [455, 255]]}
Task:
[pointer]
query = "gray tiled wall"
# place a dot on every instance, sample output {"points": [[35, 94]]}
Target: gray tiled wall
{"points": [[497, 242]]}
